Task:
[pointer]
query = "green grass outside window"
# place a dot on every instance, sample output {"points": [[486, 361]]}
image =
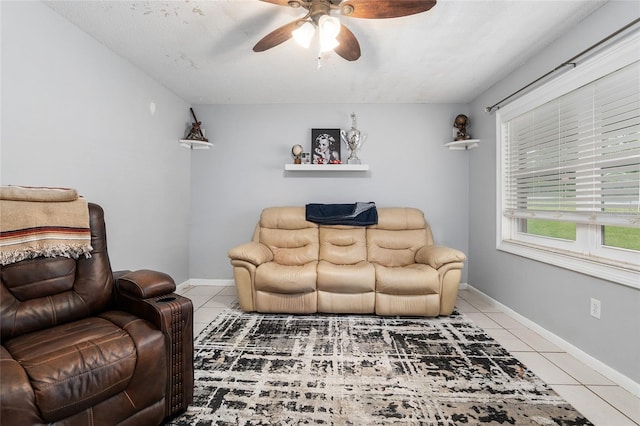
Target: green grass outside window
{"points": [[614, 236]]}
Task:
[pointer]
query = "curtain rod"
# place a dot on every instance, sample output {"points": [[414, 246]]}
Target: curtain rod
{"points": [[564, 64]]}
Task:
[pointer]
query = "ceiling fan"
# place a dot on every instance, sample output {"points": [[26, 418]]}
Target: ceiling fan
{"points": [[334, 35]]}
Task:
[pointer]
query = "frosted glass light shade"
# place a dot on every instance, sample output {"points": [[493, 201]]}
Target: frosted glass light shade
{"points": [[329, 29], [328, 44], [329, 26], [304, 34]]}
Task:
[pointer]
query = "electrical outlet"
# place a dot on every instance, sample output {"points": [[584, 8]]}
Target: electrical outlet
{"points": [[596, 308]]}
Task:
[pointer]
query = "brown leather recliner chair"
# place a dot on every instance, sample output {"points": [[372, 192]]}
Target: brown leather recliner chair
{"points": [[80, 347]]}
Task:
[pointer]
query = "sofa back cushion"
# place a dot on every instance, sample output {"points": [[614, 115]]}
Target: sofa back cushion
{"points": [[343, 245], [292, 240], [397, 237], [43, 292]]}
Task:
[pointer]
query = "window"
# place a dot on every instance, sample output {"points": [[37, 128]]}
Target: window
{"points": [[570, 168]]}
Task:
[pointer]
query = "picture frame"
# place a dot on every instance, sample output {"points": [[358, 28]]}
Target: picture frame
{"points": [[325, 146]]}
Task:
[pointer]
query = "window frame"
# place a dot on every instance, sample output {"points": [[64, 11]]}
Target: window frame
{"points": [[585, 255]]}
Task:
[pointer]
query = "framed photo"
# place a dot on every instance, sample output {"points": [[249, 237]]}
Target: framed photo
{"points": [[325, 146]]}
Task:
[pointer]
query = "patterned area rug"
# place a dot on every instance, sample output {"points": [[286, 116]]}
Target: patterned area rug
{"points": [[255, 369]]}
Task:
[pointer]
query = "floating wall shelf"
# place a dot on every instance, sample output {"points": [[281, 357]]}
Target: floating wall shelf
{"points": [[462, 145], [192, 144], [327, 167]]}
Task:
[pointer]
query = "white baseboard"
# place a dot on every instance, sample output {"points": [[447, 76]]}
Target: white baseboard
{"points": [[182, 285], [209, 282], [597, 365]]}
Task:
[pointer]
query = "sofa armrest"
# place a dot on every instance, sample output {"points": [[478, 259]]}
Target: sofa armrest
{"points": [[437, 256], [252, 252]]}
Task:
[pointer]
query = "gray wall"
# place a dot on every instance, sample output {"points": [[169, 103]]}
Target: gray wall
{"points": [[74, 114], [244, 172], [555, 298]]}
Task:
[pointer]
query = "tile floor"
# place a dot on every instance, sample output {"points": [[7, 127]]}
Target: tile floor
{"points": [[603, 402]]}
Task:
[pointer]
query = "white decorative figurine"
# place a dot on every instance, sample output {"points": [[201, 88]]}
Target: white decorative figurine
{"points": [[354, 140]]}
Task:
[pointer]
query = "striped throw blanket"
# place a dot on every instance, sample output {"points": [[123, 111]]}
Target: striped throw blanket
{"points": [[46, 222]]}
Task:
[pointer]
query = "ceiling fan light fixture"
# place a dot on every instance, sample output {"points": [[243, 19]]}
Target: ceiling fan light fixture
{"points": [[329, 27], [332, 35], [304, 34], [328, 45], [347, 10]]}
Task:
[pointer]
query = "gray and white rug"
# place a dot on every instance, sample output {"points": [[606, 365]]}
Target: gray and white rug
{"points": [[255, 369]]}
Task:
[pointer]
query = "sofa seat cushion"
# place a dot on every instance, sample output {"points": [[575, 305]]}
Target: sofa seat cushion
{"points": [[75, 366], [407, 280], [358, 278], [273, 277]]}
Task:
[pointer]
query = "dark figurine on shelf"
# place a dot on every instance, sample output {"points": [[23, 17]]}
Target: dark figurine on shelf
{"points": [[460, 123], [195, 134]]}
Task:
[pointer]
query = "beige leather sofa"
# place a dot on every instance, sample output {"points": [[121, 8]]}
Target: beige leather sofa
{"points": [[392, 268]]}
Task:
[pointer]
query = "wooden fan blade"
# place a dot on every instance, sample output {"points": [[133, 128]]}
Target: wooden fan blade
{"points": [[349, 48], [277, 36], [278, 2], [376, 9]]}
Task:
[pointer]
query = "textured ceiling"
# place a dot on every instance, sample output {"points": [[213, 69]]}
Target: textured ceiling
{"points": [[202, 50]]}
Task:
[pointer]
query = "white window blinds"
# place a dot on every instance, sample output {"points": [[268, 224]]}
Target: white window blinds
{"points": [[577, 157]]}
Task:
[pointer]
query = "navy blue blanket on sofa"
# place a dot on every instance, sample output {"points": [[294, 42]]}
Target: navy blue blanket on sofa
{"points": [[357, 214]]}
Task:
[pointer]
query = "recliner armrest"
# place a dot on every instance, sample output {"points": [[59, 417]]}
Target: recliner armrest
{"points": [[144, 284], [437, 256], [173, 315], [252, 252]]}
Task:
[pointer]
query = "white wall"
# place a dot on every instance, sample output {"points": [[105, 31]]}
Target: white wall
{"points": [[244, 172], [555, 298], [74, 114]]}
